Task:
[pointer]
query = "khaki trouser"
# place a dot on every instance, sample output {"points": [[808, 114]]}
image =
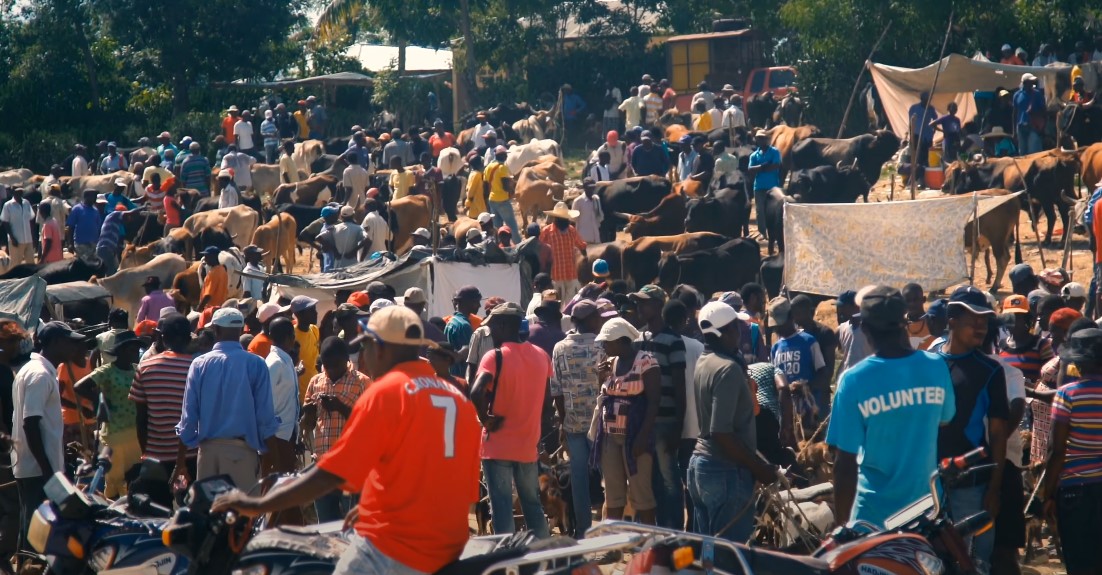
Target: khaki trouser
{"points": [[231, 457], [21, 254], [125, 452]]}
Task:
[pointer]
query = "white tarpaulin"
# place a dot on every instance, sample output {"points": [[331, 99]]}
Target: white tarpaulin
{"points": [[439, 279], [21, 300], [831, 248], [960, 77]]}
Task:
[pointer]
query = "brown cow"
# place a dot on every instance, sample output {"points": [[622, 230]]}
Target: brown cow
{"points": [[1091, 157], [640, 257], [535, 193], [315, 190], [673, 133], [460, 228], [666, 219], [239, 221], [186, 288], [783, 137], [611, 252], [549, 167], [998, 231], [277, 237], [406, 215]]}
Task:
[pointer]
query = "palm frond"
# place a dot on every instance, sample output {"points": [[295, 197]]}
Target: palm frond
{"points": [[337, 19]]}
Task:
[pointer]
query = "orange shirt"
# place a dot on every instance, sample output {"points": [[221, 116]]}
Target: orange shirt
{"points": [[69, 415], [216, 285], [411, 446], [261, 345], [227, 128], [438, 143]]}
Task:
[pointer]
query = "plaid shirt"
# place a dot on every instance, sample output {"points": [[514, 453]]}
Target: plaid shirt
{"points": [[564, 245], [330, 423]]}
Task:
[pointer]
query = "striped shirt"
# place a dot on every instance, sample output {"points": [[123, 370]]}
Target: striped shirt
{"points": [[668, 349], [160, 386], [1029, 356], [195, 174], [1079, 405]]}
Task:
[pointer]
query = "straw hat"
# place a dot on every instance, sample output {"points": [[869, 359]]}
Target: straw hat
{"points": [[561, 211], [996, 132]]}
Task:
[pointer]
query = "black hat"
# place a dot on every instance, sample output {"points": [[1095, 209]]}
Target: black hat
{"points": [[56, 329], [972, 299], [1084, 346], [883, 308], [125, 338]]}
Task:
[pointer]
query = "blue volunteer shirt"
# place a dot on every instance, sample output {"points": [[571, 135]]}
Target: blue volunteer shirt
{"points": [[798, 356], [888, 412], [85, 222], [761, 157]]}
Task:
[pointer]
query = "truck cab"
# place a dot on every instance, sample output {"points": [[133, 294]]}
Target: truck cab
{"points": [[777, 79]]}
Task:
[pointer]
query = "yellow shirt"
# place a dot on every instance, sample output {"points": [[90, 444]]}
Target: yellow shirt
{"points": [[497, 173], [287, 166], [476, 203], [703, 122], [400, 183], [309, 348], [303, 127]]}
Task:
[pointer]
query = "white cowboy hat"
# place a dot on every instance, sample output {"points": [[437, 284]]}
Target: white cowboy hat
{"points": [[561, 211]]}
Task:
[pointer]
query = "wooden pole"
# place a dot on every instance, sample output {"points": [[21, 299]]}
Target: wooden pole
{"points": [[975, 237], [856, 83], [933, 89]]}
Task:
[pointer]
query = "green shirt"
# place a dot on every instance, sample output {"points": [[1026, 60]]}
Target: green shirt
{"points": [[114, 384]]}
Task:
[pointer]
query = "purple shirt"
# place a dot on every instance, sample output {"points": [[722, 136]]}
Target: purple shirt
{"points": [[152, 305], [545, 336]]}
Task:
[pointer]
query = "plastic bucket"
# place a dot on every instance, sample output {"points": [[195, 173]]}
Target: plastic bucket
{"points": [[934, 157], [934, 178]]}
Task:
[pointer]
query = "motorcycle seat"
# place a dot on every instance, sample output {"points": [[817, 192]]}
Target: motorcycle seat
{"points": [[764, 562], [327, 547]]}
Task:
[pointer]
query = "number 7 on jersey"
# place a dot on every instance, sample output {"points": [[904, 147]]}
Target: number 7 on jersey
{"points": [[447, 403]]}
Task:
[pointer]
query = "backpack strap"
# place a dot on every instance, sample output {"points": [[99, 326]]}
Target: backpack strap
{"points": [[497, 377]]}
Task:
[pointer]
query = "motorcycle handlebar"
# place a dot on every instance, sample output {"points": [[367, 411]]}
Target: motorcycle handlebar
{"points": [[962, 462]]}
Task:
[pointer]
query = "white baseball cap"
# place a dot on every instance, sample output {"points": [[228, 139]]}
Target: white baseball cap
{"points": [[714, 316], [424, 233], [484, 218], [228, 317], [267, 311], [1073, 289], [379, 304]]}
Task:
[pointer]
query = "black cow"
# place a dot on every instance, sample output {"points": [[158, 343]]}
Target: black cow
{"points": [[828, 185], [726, 212], [1083, 124], [629, 196], [304, 215], [867, 152], [772, 275], [143, 228], [774, 217], [742, 135], [724, 268], [759, 110], [72, 270]]}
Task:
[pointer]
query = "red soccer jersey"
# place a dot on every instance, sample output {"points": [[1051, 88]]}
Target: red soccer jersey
{"points": [[411, 447]]}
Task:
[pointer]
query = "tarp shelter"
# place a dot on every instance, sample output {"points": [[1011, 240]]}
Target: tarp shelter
{"points": [[440, 280], [831, 248], [21, 300], [899, 88], [326, 81]]}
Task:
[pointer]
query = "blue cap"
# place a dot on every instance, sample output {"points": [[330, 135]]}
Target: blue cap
{"points": [[848, 297], [600, 269], [112, 145], [328, 211], [524, 327], [212, 251], [1021, 273], [971, 298], [686, 139], [939, 309]]}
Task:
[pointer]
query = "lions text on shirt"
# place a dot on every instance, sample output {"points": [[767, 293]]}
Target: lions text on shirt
{"points": [[798, 356], [888, 412]]}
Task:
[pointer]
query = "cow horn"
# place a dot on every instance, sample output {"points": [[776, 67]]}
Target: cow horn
{"points": [[838, 165], [854, 164]]}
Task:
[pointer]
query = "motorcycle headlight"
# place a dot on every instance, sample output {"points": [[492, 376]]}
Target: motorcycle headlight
{"points": [[251, 570], [930, 564], [102, 558]]}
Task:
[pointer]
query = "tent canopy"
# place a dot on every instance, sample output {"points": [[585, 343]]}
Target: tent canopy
{"points": [[899, 88], [21, 300], [338, 79]]}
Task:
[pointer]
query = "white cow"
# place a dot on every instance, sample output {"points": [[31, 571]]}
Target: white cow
{"points": [[306, 153], [126, 286], [18, 177], [524, 153]]}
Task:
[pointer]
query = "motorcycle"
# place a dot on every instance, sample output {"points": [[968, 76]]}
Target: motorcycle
{"points": [[79, 531], [919, 540]]}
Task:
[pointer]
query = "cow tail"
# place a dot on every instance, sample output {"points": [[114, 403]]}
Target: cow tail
{"points": [[1017, 244]]}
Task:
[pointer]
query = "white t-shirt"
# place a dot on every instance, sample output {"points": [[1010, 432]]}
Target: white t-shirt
{"points": [[18, 217], [1015, 389], [378, 231], [242, 164], [244, 132], [254, 286], [228, 198], [80, 167], [693, 350], [733, 118], [36, 393]]}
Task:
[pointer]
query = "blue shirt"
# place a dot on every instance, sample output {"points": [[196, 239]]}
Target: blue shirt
{"points": [[85, 222], [1088, 217], [888, 412], [653, 162], [270, 132], [114, 199], [458, 331], [761, 157], [228, 395], [798, 356], [685, 164], [1026, 101], [112, 163], [915, 116], [111, 233]]}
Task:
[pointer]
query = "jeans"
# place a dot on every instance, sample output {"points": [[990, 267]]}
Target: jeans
{"points": [[668, 491], [721, 491], [327, 262], [271, 153], [500, 475], [32, 492], [684, 455], [964, 502], [504, 215], [110, 261], [361, 557], [1029, 140], [1092, 294], [759, 209], [333, 506], [577, 445]]}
